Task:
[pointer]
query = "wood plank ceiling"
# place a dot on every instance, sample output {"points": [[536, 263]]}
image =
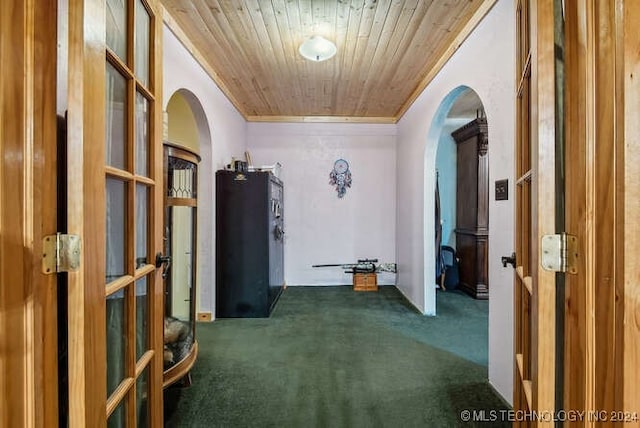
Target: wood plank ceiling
{"points": [[388, 50]]}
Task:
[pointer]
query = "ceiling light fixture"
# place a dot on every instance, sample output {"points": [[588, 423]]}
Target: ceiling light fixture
{"points": [[317, 48]]}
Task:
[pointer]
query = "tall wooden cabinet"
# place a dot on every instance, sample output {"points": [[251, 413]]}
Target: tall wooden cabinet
{"points": [[472, 207]]}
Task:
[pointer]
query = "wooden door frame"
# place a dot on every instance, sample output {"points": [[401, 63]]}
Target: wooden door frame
{"points": [[602, 199], [543, 158], [28, 299], [603, 193], [628, 227], [534, 362], [85, 132]]}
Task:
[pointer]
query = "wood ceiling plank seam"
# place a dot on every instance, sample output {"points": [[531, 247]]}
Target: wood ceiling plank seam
{"points": [[418, 18], [306, 17], [428, 32], [259, 14], [317, 68], [346, 26], [454, 30], [228, 37], [281, 38], [340, 30], [439, 39], [235, 32], [364, 32], [200, 34], [376, 89], [355, 85], [351, 38], [260, 94], [289, 43], [295, 29], [400, 28], [329, 73], [222, 52], [301, 68], [370, 60], [313, 72], [368, 15], [306, 25], [237, 14], [264, 48], [421, 42], [195, 52], [444, 37], [468, 28], [290, 40]]}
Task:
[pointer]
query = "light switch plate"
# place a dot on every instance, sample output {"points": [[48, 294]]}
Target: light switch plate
{"points": [[502, 190]]}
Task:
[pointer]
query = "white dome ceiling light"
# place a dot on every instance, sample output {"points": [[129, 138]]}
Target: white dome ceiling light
{"points": [[317, 48]]}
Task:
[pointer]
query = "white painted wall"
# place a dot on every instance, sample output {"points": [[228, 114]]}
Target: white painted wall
{"points": [[222, 133], [485, 63], [320, 227]]}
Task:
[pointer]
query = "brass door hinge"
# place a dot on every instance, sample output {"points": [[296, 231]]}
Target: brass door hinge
{"points": [[560, 253], [60, 253]]}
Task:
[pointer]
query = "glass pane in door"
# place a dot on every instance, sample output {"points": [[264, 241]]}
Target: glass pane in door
{"points": [[142, 394], [142, 135], [116, 340], [116, 119], [142, 317], [142, 225], [143, 23], [182, 265], [118, 417], [183, 178], [116, 20], [116, 229]]}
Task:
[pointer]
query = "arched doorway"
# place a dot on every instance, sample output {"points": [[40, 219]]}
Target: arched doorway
{"points": [[458, 108], [187, 126]]}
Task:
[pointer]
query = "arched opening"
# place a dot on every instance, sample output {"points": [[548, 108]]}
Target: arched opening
{"points": [[441, 213], [187, 126]]}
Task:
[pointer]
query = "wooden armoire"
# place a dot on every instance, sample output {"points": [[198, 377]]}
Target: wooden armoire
{"points": [[472, 207]]}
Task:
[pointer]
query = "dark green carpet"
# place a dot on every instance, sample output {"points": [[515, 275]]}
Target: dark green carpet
{"points": [[332, 357]]}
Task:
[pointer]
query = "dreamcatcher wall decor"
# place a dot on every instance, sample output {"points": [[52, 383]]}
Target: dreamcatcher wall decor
{"points": [[340, 177]]}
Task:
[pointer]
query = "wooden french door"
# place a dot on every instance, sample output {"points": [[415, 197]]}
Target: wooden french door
{"points": [[115, 178], [535, 287], [577, 335], [602, 328]]}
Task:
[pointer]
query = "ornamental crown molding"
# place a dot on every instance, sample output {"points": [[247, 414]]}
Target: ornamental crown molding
{"points": [[471, 129]]}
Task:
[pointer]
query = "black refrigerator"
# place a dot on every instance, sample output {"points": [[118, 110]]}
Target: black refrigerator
{"points": [[249, 243]]}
